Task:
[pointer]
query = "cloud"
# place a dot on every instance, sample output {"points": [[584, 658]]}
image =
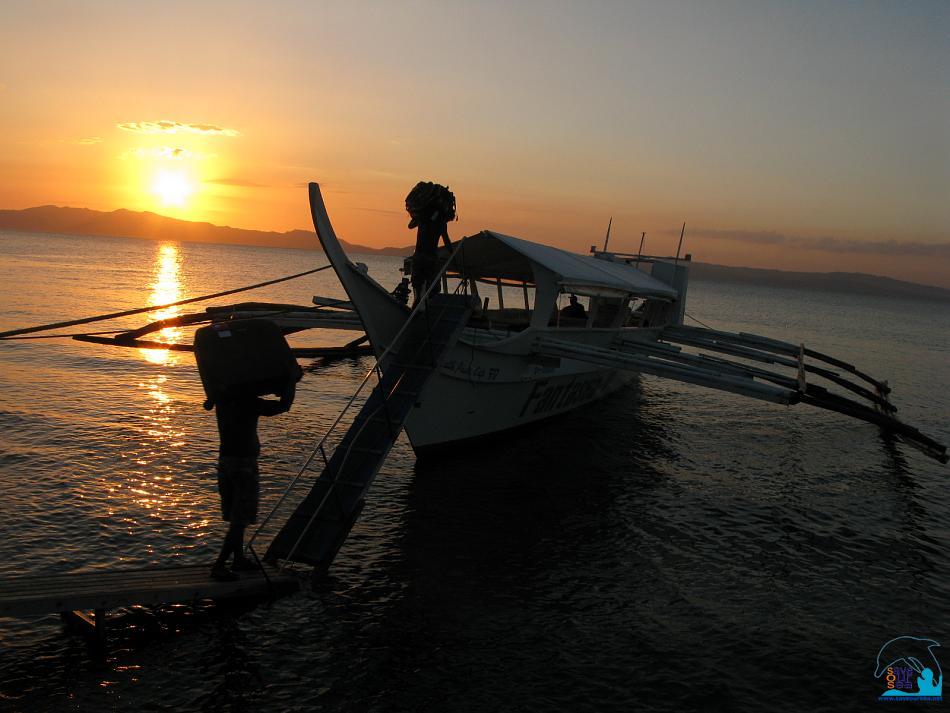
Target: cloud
{"points": [[167, 153], [176, 127], [825, 244], [236, 182], [173, 154], [82, 141], [382, 211]]}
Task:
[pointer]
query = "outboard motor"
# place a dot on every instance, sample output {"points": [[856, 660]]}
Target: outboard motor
{"points": [[244, 357]]}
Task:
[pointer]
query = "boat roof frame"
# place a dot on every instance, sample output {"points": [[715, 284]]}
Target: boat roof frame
{"points": [[505, 258]]}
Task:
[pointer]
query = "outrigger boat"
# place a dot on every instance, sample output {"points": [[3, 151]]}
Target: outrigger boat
{"points": [[487, 350], [456, 367], [513, 365]]}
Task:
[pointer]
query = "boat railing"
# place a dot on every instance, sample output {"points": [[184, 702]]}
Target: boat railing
{"points": [[376, 368], [635, 257]]}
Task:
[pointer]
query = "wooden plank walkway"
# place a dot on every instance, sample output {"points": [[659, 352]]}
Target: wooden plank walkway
{"points": [[109, 589]]}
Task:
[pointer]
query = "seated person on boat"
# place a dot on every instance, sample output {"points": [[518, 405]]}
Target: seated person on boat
{"points": [[574, 310]]}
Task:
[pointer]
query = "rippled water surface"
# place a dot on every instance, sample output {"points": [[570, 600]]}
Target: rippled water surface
{"points": [[670, 549]]}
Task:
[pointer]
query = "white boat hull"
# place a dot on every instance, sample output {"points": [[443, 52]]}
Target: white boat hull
{"points": [[480, 391], [456, 411]]}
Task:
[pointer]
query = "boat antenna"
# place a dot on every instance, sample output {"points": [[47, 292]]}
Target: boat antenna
{"points": [[607, 238], [643, 236], [679, 247]]}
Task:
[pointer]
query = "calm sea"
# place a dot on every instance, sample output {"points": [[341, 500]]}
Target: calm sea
{"points": [[671, 549]]}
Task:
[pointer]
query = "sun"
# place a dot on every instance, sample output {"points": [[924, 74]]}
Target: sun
{"points": [[172, 187]]}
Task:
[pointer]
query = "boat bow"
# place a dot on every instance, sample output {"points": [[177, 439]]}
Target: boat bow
{"points": [[382, 315]]}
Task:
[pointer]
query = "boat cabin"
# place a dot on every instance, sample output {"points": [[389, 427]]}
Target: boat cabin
{"points": [[522, 284]]}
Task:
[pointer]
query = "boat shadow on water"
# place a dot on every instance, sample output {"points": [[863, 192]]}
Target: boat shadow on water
{"points": [[505, 574], [567, 563]]}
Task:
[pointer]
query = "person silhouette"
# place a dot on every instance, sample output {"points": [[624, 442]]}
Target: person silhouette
{"points": [[430, 207], [238, 475], [574, 309]]}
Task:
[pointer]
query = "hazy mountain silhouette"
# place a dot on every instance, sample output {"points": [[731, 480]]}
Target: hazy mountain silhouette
{"points": [[127, 223], [133, 224], [853, 282]]}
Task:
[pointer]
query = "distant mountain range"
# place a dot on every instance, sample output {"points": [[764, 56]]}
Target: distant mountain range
{"points": [[852, 282], [127, 223], [133, 224]]}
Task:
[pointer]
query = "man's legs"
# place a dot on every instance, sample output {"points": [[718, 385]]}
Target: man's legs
{"points": [[233, 544], [238, 485], [425, 268]]}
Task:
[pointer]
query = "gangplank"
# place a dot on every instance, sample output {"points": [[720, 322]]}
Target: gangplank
{"points": [[317, 528]]}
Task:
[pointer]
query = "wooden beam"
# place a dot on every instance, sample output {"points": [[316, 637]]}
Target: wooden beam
{"points": [[349, 349], [41, 594]]}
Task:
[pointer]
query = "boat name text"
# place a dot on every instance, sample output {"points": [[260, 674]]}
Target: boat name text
{"points": [[546, 398]]}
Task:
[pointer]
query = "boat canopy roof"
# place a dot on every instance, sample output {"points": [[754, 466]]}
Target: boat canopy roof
{"points": [[489, 254]]}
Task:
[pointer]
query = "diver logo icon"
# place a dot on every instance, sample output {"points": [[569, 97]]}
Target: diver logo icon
{"points": [[910, 670]]}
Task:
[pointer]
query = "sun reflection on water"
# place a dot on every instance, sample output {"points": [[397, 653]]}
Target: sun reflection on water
{"points": [[152, 488], [166, 288]]}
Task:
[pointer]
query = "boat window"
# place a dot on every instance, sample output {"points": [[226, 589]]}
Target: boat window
{"points": [[653, 313], [504, 305], [609, 311], [566, 315]]}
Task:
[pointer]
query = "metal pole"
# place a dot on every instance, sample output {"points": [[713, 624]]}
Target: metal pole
{"points": [[607, 238], [679, 247]]}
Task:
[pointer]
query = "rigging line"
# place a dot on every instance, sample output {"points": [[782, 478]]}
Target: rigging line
{"points": [[697, 320], [150, 308], [71, 334]]}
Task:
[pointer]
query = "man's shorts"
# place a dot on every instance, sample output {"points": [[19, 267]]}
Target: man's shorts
{"points": [[239, 487], [425, 267]]}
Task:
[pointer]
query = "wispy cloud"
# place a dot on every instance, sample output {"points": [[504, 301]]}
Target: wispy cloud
{"points": [[236, 182], [89, 140], [381, 211], [176, 127], [167, 153], [825, 244]]}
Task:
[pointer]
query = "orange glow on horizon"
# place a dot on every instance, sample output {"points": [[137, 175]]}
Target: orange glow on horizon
{"points": [[790, 122]]}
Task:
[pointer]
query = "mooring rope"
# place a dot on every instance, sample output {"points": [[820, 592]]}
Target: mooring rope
{"points": [[150, 308]]}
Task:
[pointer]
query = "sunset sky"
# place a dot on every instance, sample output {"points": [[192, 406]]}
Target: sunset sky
{"points": [[795, 135]]}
